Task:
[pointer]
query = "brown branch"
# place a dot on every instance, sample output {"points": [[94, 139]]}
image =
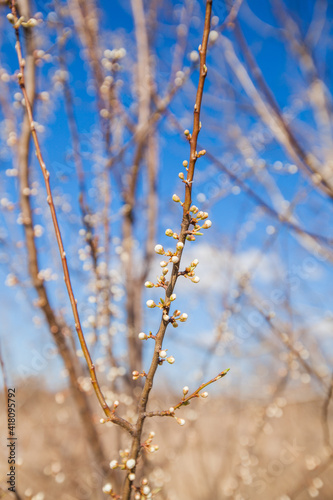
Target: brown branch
{"points": [[325, 421], [135, 448], [185, 401], [46, 175]]}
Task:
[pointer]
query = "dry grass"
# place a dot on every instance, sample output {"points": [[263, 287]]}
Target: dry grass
{"points": [[227, 449]]}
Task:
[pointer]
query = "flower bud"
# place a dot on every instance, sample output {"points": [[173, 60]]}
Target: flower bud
{"points": [[107, 488], [131, 476], [166, 317], [196, 279], [159, 249], [150, 303], [173, 297], [183, 317], [204, 394], [165, 271], [163, 263], [11, 18], [180, 421], [171, 360], [185, 390], [175, 324], [113, 464], [171, 409], [185, 163], [194, 209], [169, 232], [180, 245], [149, 284], [176, 198], [163, 354], [175, 259], [207, 224], [194, 263], [142, 336], [175, 236], [135, 375], [186, 133], [130, 464], [181, 175]]}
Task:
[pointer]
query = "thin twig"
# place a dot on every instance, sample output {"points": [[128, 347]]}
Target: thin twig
{"points": [[135, 449], [46, 175]]}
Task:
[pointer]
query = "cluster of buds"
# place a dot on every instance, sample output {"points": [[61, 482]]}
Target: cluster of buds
{"points": [[176, 316], [125, 463], [144, 492], [198, 215], [148, 446], [136, 374], [173, 257], [17, 22], [162, 304], [190, 272], [164, 357]]}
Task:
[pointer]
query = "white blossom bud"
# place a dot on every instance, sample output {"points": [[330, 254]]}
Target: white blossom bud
{"points": [[173, 297], [213, 36], [149, 284], [169, 232], [185, 163], [207, 224], [194, 263], [180, 245], [171, 409], [194, 56], [185, 390], [176, 198], [11, 18], [130, 464], [181, 175], [146, 490], [107, 488], [166, 317], [175, 259], [163, 263], [142, 336], [150, 303], [194, 209], [159, 249], [204, 394], [196, 279], [131, 476], [183, 317], [113, 464], [181, 421], [163, 354], [171, 360]]}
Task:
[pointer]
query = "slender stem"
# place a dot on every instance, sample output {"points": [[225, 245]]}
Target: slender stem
{"points": [[135, 449], [185, 401], [46, 175]]}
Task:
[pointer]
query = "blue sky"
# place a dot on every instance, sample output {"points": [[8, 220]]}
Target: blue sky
{"points": [[231, 212]]}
